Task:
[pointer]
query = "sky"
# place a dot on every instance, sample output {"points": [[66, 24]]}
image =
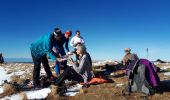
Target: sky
{"points": [[108, 26]]}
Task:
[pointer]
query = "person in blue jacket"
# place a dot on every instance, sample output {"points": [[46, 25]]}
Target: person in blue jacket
{"points": [[39, 51]]}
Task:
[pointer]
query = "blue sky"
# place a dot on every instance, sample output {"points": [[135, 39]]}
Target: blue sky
{"points": [[108, 26]]}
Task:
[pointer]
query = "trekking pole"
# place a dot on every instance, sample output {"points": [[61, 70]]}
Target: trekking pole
{"points": [[147, 52]]}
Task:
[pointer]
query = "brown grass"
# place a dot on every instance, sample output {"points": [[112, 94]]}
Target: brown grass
{"points": [[8, 90], [107, 91], [53, 95], [23, 96]]}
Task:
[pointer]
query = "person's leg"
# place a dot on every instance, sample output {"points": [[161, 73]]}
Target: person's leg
{"points": [[74, 76], [62, 77], [57, 68], [46, 66], [36, 71], [70, 74]]}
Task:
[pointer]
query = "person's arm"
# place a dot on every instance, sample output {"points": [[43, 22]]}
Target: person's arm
{"points": [[66, 45], [72, 42], [124, 60], [82, 65], [82, 40]]}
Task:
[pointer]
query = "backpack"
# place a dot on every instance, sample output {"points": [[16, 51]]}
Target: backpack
{"points": [[142, 77]]}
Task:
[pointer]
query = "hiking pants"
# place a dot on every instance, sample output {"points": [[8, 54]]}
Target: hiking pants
{"points": [[70, 74], [37, 66]]}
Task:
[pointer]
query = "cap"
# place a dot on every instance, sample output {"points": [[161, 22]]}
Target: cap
{"points": [[69, 32], [127, 49], [57, 32]]}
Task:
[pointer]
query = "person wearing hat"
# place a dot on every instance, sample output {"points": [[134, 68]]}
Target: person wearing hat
{"points": [[60, 50], [129, 57], [39, 51]]}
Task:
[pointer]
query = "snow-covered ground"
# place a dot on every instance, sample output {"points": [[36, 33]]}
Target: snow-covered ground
{"points": [[101, 63], [36, 94], [23, 69], [19, 69]]}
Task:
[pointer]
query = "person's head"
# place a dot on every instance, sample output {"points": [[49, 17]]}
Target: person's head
{"points": [[57, 33], [78, 33], [68, 34], [127, 50], [81, 49]]}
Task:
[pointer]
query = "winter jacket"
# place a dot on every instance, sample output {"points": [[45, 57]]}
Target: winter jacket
{"points": [[75, 40], [84, 68], [61, 42], [44, 46]]}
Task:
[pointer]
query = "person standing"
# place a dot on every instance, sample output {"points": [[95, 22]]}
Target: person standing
{"points": [[1, 58], [77, 39], [60, 50], [39, 51]]}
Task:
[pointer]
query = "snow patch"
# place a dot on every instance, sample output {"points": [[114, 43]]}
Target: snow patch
{"points": [[38, 94], [165, 67], [1, 90], [4, 76], [167, 74]]}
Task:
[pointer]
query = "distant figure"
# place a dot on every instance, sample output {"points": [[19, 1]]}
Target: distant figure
{"points": [[39, 51], [60, 50], [77, 39], [82, 72], [1, 58], [129, 57]]}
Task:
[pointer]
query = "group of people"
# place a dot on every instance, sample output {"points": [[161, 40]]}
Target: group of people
{"points": [[51, 45]]}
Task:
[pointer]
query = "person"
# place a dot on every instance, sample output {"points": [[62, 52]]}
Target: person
{"points": [[77, 39], [82, 72], [129, 57], [1, 58], [39, 51], [59, 49]]}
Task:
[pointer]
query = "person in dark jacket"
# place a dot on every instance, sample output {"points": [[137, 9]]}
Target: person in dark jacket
{"points": [[59, 49], [39, 51], [1, 58]]}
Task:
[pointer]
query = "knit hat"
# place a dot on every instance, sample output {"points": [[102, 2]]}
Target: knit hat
{"points": [[57, 32]]}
